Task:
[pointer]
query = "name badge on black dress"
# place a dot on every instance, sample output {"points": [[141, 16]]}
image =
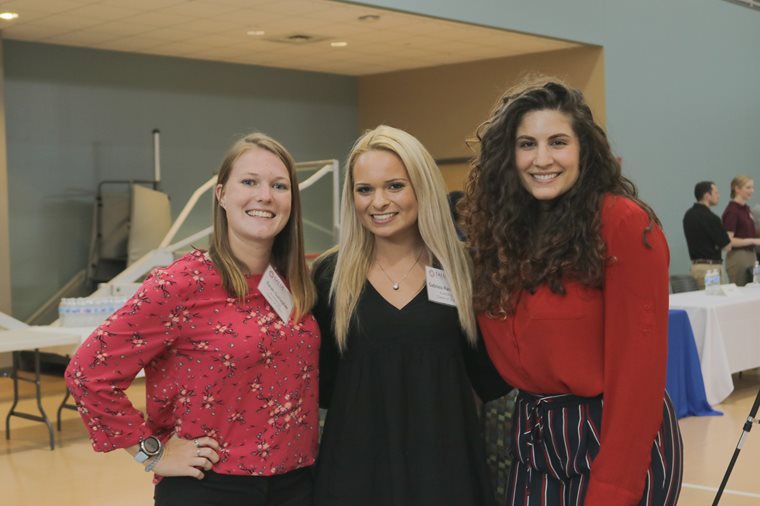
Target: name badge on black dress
{"points": [[438, 288]]}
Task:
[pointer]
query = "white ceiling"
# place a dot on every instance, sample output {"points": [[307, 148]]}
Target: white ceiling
{"points": [[217, 30]]}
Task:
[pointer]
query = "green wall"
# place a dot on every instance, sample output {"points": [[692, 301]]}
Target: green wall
{"points": [[79, 116], [682, 86]]}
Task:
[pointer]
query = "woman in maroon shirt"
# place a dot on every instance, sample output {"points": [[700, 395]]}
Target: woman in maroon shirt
{"points": [[571, 287], [230, 365], [740, 225]]}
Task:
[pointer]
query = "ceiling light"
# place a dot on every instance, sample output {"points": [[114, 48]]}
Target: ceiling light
{"points": [[255, 33], [8, 16], [339, 44], [369, 18]]}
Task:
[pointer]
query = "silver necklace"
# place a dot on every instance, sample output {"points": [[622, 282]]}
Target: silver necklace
{"points": [[397, 284]]}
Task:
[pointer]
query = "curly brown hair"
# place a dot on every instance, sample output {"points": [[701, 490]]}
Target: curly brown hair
{"points": [[517, 244]]}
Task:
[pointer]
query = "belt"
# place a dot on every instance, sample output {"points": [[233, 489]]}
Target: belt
{"points": [[707, 261]]}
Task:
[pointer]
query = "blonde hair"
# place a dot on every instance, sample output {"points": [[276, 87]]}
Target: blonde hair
{"points": [[737, 183], [288, 248], [436, 227]]}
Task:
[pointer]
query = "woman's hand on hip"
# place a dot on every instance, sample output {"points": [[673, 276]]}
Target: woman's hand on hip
{"points": [[187, 457]]}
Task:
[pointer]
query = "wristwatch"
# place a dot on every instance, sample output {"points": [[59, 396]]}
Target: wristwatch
{"points": [[149, 447]]}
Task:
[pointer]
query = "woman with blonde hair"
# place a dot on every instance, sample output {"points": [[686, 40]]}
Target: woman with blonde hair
{"points": [[229, 349], [741, 228], [394, 306]]}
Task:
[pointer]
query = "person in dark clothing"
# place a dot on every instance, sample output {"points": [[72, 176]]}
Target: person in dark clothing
{"points": [[705, 236], [400, 351]]}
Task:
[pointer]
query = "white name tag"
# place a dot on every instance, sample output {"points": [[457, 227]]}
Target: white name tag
{"points": [[438, 288], [276, 293]]}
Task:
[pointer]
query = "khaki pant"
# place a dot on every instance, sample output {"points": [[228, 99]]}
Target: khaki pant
{"points": [[737, 263], [698, 272]]}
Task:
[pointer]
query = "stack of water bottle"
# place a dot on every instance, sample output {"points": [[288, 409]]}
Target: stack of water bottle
{"points": [[712, 282], [756, 273], [88, 312]]}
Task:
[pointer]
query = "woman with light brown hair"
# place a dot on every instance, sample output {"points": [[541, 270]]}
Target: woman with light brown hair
{"points": [[229, 349], [741, 227]]}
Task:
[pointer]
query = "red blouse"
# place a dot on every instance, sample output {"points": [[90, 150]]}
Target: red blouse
{"points": [[214, 366], [610, 341]]}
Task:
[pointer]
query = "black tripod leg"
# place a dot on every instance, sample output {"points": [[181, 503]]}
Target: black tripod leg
{"points": [[747, 428]]}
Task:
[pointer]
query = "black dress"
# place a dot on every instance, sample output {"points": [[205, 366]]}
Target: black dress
{"points": [[402, 428]]}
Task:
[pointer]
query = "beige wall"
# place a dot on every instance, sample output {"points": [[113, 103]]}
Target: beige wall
{"points": [[5, 263], [442, 106], [454, 175]]}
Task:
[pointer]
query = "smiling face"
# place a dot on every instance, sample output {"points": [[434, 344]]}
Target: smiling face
{"points": [[256, 199], [547, 153], [746, 191], [383, 195]]}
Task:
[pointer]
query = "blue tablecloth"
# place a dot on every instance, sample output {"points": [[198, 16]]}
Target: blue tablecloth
{"points": [[684, 377]]}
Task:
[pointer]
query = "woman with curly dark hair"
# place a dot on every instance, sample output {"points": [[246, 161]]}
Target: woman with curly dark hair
{"points": [[571, 290]]}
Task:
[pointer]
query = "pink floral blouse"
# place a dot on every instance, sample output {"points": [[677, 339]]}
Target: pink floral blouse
{"points": [[214, 366]]}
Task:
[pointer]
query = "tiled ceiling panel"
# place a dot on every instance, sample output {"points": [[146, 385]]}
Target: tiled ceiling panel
{"points": [[261, 32]]}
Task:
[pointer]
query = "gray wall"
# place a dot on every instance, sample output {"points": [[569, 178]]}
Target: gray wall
{"points": [[682, 105], [78, 116], [681, 85]]}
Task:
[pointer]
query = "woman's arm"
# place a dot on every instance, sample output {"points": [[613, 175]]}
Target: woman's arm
{"points": [[740, 242], [635, 353], [329, 356], [182, 457], [108, 361], [730, 224], [486, 380]]}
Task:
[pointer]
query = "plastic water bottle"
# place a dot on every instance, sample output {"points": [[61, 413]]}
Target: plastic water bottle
{"points": [[64, 312], [712, 281], [756, 273], [88, 312]]}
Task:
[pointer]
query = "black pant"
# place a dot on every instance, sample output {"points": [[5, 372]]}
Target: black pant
{"points": [[289, 489]]}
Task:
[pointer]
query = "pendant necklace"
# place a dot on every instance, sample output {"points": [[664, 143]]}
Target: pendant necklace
{"points": [[397, 284]]}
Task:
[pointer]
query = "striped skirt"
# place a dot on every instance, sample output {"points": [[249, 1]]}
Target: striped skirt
{"points": [[551, 470]]}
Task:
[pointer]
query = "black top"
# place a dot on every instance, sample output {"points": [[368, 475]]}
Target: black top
{"points": [[401, 429], [705, 235]]}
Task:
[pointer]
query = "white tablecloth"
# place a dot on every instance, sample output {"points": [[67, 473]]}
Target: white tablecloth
{"points": [[30, 338], [727, 334]]}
